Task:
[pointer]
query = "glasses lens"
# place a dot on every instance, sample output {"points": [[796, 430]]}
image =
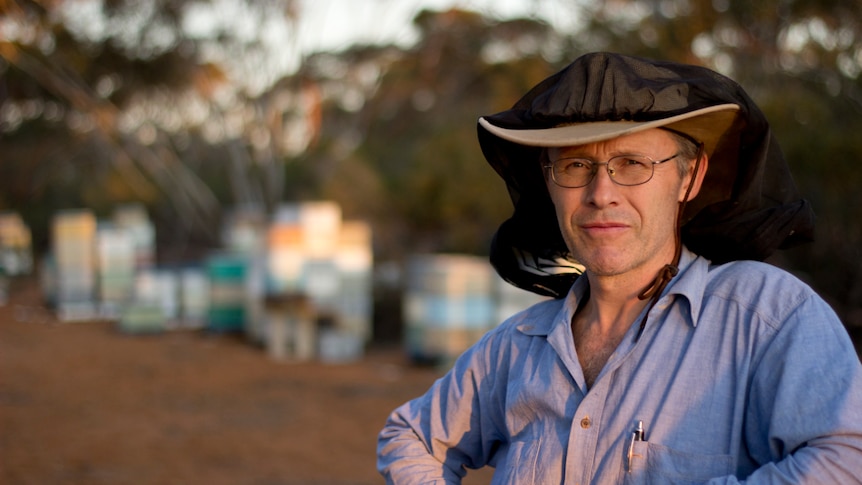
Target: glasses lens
{"points": [[630, 169], [572, 172]]}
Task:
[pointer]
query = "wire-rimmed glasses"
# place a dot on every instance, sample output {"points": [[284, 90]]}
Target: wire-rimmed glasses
{"points": [[624, 170]]}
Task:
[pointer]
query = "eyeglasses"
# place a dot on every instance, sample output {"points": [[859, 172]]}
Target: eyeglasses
{"points": [[623, 170]]}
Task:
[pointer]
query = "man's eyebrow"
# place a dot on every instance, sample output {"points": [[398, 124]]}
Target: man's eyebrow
{"points": [[578, 153]]}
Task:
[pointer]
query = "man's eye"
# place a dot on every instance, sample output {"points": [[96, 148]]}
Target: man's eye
{"points": [[574, 164], [634, 162]]}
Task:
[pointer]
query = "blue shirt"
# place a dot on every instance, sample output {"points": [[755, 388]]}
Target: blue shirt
{"points": [[742, 373]]}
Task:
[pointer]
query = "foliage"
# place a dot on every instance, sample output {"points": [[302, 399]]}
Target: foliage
{"points": [[144, 111]]}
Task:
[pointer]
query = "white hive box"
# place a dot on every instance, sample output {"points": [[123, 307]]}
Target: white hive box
{"points": [[16, 253], [116, 263], [448, 305], [73, 240], [194, 297], [135, 220], [321, 226]]}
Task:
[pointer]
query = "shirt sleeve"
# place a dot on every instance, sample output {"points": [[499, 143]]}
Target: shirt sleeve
{"points": [[438, 436], [804, 418]]}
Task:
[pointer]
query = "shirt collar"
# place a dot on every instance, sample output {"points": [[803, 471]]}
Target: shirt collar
{"points": [[554, 313], [689, 283]]}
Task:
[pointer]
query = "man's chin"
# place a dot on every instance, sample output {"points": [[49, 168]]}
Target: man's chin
{"points": [[606, 266]]}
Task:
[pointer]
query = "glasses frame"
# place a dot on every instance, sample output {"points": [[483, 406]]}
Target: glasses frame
{"points": [[595, 169]]}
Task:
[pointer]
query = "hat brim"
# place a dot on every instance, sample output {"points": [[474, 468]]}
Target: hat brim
{"points": [[705, 125]]}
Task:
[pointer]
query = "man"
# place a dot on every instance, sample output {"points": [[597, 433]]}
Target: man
{"points": [[643, 192]]}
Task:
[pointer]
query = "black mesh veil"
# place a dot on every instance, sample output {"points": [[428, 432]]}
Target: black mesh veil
{"points": [[748, 207]]}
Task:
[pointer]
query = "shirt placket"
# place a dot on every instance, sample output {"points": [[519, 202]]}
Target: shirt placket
{"points": [[584, 437]]}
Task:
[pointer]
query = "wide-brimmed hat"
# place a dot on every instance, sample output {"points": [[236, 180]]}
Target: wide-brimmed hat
{"points": [[747, 208], [706, 125]]}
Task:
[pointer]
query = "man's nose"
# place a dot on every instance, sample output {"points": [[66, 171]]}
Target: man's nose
{"points": [[602, 190]]}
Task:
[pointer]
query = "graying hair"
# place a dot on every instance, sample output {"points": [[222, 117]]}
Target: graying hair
{"points": [[687, 148]]}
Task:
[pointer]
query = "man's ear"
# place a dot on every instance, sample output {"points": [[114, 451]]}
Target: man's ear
{"points": [[698, 180]]}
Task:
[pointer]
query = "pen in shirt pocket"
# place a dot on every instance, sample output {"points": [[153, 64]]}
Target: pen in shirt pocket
{"points": [[637, 435]]}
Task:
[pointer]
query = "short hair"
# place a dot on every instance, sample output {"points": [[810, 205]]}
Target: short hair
{"points": [[687, 148]]}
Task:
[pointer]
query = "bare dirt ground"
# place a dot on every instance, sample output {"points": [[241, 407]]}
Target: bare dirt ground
{"points": [[81, 403]]}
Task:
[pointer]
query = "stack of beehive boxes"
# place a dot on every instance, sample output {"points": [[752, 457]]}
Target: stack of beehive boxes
{"points": [[448, 304], [16, 252], [97, 269], [115, 259], [16, 255], [450, 301], [74, 264], [313, 254]]}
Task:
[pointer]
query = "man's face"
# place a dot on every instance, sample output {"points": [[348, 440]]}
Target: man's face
{"points": [[613, 229]]}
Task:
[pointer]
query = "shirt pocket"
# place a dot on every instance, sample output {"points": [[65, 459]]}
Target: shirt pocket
{"points": [[520, 466], [657, 464]]}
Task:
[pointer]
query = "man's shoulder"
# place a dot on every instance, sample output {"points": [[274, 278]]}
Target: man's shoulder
{"points": [[757, 274], [757, 286]]}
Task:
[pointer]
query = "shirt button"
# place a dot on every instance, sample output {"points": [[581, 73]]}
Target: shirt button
{"points": [[585, 423]]}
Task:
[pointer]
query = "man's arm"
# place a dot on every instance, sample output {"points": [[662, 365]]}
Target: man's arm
{"points": [[436, 437], [805, 410]]}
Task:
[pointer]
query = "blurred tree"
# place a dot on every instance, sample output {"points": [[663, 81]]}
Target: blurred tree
{"points": [[114, 101], [409, 119], [63, 111]]}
